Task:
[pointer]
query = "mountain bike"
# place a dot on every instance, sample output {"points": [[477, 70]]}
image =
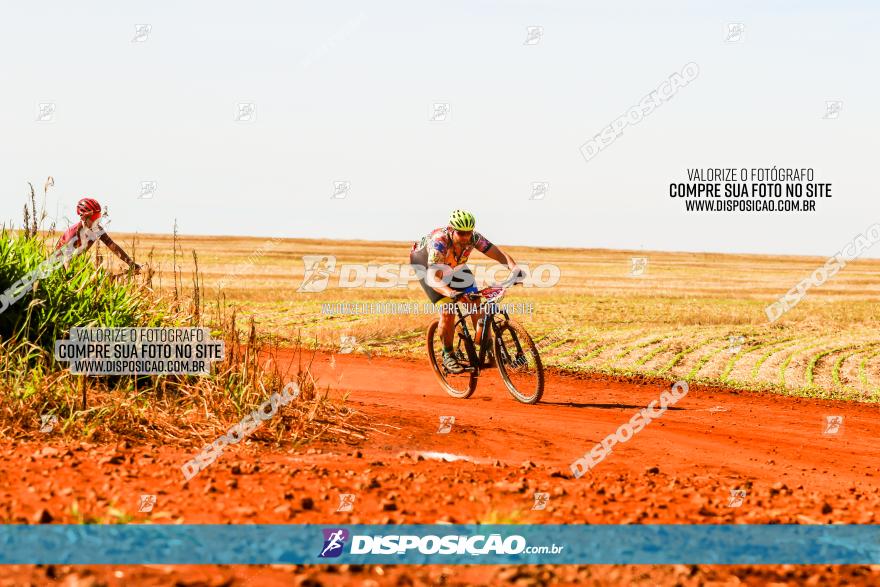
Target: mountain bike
{"points": [[504, 342]]}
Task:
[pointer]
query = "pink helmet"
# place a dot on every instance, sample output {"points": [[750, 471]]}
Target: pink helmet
{"points": [[88, 207]]}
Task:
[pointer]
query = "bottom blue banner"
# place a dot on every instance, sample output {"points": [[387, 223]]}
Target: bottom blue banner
{"points": [[439, 544]]}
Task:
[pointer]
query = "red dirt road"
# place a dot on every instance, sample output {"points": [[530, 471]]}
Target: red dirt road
{"points": [[722, 438], [679, 469]]}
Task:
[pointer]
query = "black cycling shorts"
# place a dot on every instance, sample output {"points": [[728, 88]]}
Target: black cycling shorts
{"points": [[462, 279]]}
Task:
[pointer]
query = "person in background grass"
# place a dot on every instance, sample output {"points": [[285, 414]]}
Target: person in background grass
{"points": [[89, 211]]}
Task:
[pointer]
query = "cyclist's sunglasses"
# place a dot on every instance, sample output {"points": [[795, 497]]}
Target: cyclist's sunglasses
{"points": [[463, 233], [91, 217]]}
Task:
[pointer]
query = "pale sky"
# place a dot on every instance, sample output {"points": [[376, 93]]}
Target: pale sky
{"points": [[343, 91]]}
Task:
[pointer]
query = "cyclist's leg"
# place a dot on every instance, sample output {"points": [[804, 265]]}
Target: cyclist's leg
{"points": [[447, 326], [447, 316], [463, 280]]}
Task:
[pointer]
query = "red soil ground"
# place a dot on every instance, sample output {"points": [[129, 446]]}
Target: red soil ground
{"points": [[679, 469]]}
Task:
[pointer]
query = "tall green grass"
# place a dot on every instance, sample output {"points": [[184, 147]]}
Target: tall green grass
{"points": [[80, 294], [186, 410]]}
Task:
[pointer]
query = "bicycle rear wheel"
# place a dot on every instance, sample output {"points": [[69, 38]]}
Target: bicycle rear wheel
{"points": [[460, 385], [519, 362]]}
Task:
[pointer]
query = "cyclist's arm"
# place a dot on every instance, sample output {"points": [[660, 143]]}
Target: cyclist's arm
{"points": [[443, 288], [497, 254], [111, 244]]}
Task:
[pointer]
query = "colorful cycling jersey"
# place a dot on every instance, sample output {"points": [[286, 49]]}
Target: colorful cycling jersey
{"points": [[436, 248], [74, 235]]}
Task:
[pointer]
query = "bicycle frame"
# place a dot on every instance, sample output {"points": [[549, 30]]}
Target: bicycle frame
{"points": [[487, 321], [514, 353]]}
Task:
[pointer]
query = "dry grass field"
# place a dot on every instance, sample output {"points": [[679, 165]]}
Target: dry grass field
{"points": [[698, 316]]}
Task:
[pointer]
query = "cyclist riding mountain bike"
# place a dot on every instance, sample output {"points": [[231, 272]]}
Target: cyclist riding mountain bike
{"points": [[89, 211], [443, 253]]}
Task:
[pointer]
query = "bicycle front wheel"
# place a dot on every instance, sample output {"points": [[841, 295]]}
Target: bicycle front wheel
{"points": [[519, 362]]}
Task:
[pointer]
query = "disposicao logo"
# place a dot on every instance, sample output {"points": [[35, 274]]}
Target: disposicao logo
{"points": [[334, 542]]}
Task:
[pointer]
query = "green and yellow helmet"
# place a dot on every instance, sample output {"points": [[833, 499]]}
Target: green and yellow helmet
{"points": [[462, 220]]}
